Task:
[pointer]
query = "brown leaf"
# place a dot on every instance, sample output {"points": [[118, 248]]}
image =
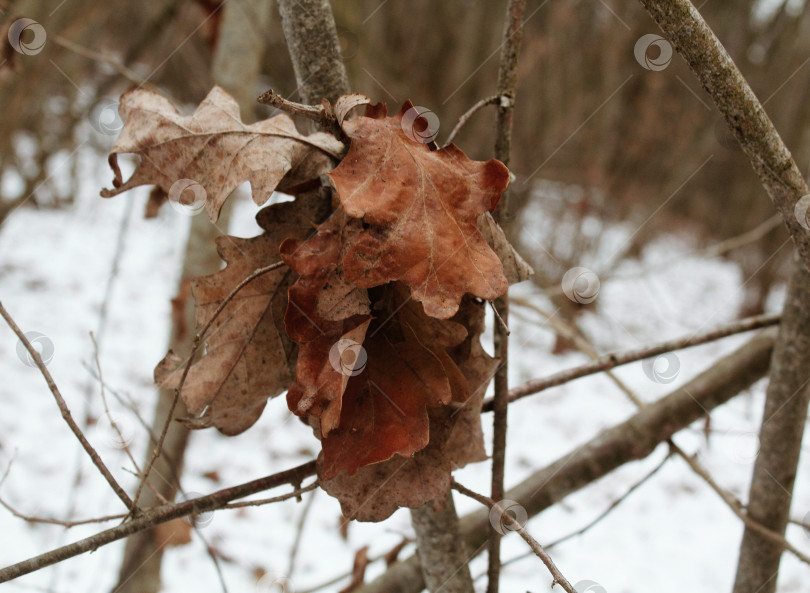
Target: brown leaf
{"points": [[421, 209], [248, 355], [213, 151], [374, 405], [376, 491], [312, 322]]}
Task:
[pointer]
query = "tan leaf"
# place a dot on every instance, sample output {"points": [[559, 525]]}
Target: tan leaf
{"points": [[248, 356], [515, 267], [212, 150]]}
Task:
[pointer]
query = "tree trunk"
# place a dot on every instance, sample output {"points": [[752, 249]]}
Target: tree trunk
{"points": [[780, 439], [235, 67], [312, 41], [441, 550]]}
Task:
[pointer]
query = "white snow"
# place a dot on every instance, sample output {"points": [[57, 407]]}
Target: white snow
{"points": [[671, 535]]}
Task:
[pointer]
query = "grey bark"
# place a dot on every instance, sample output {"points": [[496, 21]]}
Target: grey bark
{"points": [[780, 437], [312, 39], [633, 439], [693, 38], [786, 404], [443, 557], [235, 67]]}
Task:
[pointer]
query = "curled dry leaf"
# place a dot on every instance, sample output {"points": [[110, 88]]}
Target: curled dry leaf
{"points": [[515, 267], [248, 358], [421, 209], [321, 378], [213, 148], [376, 491], [375, 405]]}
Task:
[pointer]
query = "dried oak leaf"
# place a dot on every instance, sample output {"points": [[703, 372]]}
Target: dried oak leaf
{"points": [[375, 404], [325, 337], [376, 491], [420, 208], [213, 148], [248, 357], [515, 267]]}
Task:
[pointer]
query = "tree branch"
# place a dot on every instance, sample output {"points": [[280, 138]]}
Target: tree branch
{"points": [[780, 439], [633, 439], [314, 47], [157, 516], [515, 525], [507, 81], [443, 557], [610, 361], [63, 408], [693, 38]]}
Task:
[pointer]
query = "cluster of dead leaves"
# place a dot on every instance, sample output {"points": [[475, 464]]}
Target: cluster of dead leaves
{"points": [[373, 325]]}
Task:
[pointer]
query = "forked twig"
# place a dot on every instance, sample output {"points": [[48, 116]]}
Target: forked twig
{"points": [[63, 408]]}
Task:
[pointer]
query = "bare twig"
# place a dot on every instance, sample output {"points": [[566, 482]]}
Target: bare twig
{"points": [[113, 423], [63, 408], [321, 114], [507, 83], [86, 52], [611, 361], [157, 516], [462, 121], [520, 529], [265, 501], [299, 531]]}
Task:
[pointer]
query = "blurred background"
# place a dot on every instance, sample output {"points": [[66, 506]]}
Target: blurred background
{"points": [[621, 165]]}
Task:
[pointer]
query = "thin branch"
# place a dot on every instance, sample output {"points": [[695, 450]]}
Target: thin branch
{"points": [[462, 121], [611, 361], [734, 504], [507, 83], [86, 52], [321, 114], [63, 408], [152, 517], [264, 501], [107, 412], [299, 531], [521, 529], [197, 343]]}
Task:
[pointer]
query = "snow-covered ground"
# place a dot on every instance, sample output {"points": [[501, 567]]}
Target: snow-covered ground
{"points": [[670, 536]]}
